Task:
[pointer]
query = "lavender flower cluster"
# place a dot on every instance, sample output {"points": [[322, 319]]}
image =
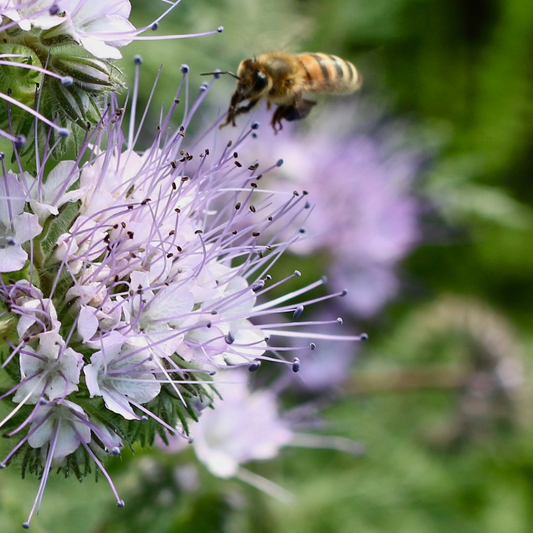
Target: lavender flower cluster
{"points": [[128, 277]]}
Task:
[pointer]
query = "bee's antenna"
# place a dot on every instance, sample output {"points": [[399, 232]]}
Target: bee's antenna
{"points": [[217, 73]]}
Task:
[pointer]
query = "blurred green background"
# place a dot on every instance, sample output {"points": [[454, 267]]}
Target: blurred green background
{"points": [[447, 450]]}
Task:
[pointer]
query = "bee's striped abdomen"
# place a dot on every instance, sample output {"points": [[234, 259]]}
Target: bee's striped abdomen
{"points": [[329, 74]]}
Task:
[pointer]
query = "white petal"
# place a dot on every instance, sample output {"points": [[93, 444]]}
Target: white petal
{"points": [[139, 391], [12, 199], [43, 433], [91, 380], [87, 324], [123, 408], [26, 227], [100, 49], [71, 364], [12, 258], [59, 388]]}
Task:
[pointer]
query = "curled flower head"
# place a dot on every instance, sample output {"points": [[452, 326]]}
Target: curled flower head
{"points": [[100, 27], [57, 61], [152, 273]]}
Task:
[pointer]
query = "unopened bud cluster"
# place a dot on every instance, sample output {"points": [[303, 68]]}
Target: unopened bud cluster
{"points": [[53, 63]]}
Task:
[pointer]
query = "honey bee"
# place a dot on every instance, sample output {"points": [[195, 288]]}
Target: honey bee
{"points": [[282, 79]]}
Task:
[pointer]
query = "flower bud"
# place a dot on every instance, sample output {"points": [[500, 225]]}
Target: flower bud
{"points": [[89, 74]]}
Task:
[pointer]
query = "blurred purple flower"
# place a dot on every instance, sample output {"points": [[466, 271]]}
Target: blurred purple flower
{"points": [[361, 179], [249, 425]]}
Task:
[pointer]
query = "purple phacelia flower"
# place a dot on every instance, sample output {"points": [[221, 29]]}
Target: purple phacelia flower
{"points": [[151, 273]]}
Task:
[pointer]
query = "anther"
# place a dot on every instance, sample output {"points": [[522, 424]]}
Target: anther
{"points": [[230, 338], [184, 69], [258, 285], [20, 141], [298, 312], [254, 367], [67, 81], [138, 60], [296, 365]]}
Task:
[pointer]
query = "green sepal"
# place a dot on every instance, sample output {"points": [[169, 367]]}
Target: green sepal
{"points": [[54, 227], [57, 35], [89, 73]]}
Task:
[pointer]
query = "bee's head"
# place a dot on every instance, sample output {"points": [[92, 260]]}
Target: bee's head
{"points": [[253, 82]]}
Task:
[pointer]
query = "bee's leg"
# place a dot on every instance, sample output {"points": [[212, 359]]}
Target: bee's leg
{"points": [[299, 110], [230, 118], [280, 112], [234, 111]]}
